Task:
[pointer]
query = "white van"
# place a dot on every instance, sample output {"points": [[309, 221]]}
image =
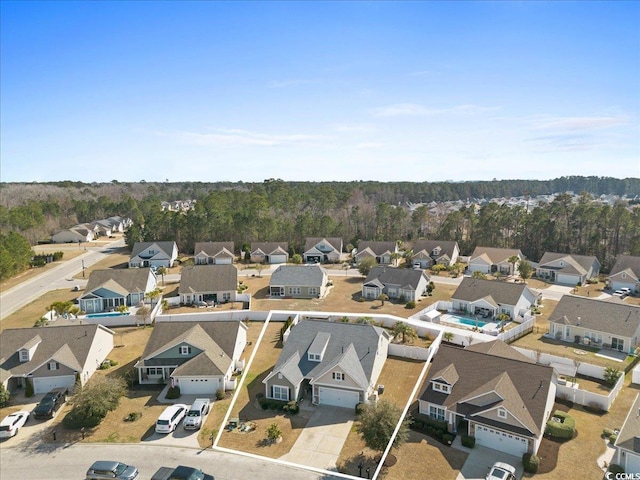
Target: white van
{"points": [[170, 418], [195, 415]]}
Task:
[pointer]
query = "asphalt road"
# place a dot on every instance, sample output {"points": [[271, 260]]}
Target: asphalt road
{"points": [[56, 278], [64, 462]]}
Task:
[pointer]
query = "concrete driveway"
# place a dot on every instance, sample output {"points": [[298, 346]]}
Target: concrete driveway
{"points": [[481, 459], [320, 442]]}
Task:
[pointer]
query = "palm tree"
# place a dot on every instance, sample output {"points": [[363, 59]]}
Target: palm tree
{"points": [[153, 295], [143, 311], [447, 337], [383, 297], [404, 329], [161, 271], [513, 259]]}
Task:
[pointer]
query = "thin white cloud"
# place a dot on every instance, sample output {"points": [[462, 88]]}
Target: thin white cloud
{"points": [[414, 109], [238, 138], [578, 123], [294, 82], [354, 127]]}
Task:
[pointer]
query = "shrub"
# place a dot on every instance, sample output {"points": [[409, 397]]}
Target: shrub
{"points": [[28, 390], [530, 463], [4, 396], [41, 322], [416, 424], [219, 394], [259, 396], [173, 393], [436, 424], [410, 304], [565, 429], [133, 416], [611, 376], [468, 441], [361, 299], [359, 407], [447, 438], [292, 407], [607, 432], [402, 299], [273, 432], [612, 439]]}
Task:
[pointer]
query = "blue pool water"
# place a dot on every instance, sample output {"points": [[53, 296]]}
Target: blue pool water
{"points": [[469, 322], [107, 314]]}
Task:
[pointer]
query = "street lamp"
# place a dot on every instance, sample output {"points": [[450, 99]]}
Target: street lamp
{"points": [[82, 268]]}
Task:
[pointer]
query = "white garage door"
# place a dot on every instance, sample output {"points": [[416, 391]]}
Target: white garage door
{"points": [[278, 259], [195, 386], [501, 441], [633, 463], [223, 261], [338, 398], [46, 384]]}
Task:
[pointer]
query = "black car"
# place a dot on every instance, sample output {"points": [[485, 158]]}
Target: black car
{"points": [[51, 403]]}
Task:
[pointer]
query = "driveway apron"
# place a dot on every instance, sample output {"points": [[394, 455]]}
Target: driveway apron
{"points": [[321, 441], [481, 459]]}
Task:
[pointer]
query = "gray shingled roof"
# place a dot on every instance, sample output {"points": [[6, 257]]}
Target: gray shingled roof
{"points": [[597, 315], [579, 264], [269, 247], [503, 293], [213, 248], [69, 345], [167, 334], [447, 247], [130, 280], [298, 276], [495, 255], [208, 278], [377, 248], [166, 246], [335, 242], [357, 362], [627, 262], [523, 386], [395, 276], [499, 349], [630, 431]]}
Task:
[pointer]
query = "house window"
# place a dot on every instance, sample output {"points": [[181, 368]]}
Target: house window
{"points": [[24, 355], [294, 290], [154, 371], [314, 357], [53, 366], [226, 296], [441, 387], [339, 376], [280, 393], [185, 350], [624, 276], [437, 413], [567, 331], [152, 252], [313, 291], [502, 413]]}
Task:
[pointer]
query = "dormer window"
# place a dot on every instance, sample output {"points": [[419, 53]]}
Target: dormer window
{"points": [[24, 355], [314, 357], [53, 365], [436, 251], [502, 413], [338, 376], [185, 350], [441, 387]]}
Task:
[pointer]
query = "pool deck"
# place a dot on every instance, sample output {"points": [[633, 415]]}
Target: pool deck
{"points": [[490, 328]]}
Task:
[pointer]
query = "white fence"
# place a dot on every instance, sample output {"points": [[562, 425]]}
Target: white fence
{"points": [[590, 399], [583, 368], [518, 331], [408, 351], [635, 375]]}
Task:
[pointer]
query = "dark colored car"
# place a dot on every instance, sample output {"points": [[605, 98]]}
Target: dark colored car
{"points": [[51, 403], [181, 472]]}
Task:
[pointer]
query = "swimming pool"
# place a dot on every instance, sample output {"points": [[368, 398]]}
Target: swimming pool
{"points": [[107, 314], [464, 321]]}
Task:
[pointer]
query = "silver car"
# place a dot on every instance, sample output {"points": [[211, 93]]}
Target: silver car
{"points": [[108, 469], [196, 414]]}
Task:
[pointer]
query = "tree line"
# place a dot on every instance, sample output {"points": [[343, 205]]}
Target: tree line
{"points": [[275, 210]]}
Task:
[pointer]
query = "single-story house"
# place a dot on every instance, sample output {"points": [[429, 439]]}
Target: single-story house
{"points": [[213, 253], [270, 252], [567, 269], [75, 234], [625, 273], [299, 281], [322, 250], [102, 228], [111, 288], [395, 283], [153, 254], [627, 444], [595, 322], [197, 356], [489, 298], [119, 224], [383, 252], [505, 398], [208, 283], [494, 260], [427, 253], [52, 357], [331, 363]]}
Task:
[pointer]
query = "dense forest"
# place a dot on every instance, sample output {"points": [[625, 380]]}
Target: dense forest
{"points": [[275, 210]]}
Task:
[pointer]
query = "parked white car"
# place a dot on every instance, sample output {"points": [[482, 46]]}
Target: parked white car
{"points": [[620, 293], [12, 423], [170, 418], [502, 471]]}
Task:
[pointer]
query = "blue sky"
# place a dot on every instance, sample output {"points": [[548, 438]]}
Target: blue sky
{"points": [[398, 91]]}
